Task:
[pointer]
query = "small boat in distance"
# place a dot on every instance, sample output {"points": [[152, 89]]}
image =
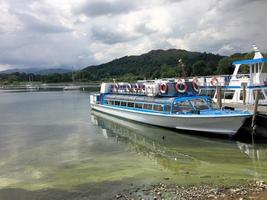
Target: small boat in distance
{"points": [[30, 86], [72, 87], [168, 103]]}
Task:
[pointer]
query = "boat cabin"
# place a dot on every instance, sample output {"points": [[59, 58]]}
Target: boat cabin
{"points": [[164, 105], [248, 76]]}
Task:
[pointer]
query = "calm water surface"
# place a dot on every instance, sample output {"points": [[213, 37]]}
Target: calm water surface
{"points": [[52, 147]]}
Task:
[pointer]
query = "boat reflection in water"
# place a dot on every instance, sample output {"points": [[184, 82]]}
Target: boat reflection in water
{"points": [[189, 157], [253, 151]]}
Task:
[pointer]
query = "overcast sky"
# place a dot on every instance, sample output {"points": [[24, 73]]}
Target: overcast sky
{"points": [[66, 33]]}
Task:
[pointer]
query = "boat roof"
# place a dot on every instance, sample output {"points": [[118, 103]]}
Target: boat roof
{"points": [[250, 61], [147, 99], [139, 98]]}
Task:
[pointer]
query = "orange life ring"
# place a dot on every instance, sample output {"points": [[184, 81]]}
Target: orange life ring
{"points": [[214, 81], [163, 88], [195, 85], [178, 87]]}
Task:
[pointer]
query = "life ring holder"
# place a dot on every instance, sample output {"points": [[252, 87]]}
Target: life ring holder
{"points": [[136, 88], [214, 81], [128, 87], [195, 84], [143, 88], [163, 88], [149, 89], [180, 83], [116, 88]]}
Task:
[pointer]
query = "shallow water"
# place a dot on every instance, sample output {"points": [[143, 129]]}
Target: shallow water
{"points": [[52, 144]]}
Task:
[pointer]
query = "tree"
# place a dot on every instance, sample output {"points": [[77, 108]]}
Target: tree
{"points": [[224, 66], [199, 68]]}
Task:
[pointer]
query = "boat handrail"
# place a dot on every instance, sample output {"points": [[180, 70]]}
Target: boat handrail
{"points": [[238, 76]]}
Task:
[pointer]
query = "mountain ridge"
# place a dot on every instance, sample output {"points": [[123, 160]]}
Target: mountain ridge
{"points": [[155, 64], [36, 71]]}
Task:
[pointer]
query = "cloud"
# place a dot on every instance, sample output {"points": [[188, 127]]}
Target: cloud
{"points": [[123, 30], [33, 24], [95, 8], [65, 33]]}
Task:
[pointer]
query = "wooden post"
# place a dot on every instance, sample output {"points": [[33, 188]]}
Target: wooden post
{"points": [[255, 111], [219, 96], [244, 94]]}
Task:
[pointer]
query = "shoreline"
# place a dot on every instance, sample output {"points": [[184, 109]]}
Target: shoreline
{"points": [[251, 190]]}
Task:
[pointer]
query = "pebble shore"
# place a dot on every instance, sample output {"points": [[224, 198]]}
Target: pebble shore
{"points": [[252, 190]]}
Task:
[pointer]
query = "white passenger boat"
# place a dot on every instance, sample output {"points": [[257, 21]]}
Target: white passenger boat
{"points": [[240, 87], [167, 103]]}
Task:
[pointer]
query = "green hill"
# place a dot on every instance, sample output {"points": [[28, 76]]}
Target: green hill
{"points": [[151, 65], [155, 64]]}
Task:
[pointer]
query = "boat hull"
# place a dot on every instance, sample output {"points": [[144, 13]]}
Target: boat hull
{"points": [[226, 125]]}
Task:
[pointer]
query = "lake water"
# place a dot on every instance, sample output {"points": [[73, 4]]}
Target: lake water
{"points": [[53, 147]]}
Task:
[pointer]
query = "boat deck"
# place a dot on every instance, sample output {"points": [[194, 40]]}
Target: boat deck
{"points": [[261, 109]]}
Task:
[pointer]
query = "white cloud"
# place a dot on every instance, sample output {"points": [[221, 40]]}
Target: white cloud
{"points": [[65, 33]]}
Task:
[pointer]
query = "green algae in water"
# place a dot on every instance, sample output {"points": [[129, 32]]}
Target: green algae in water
{"points": [[193, 159], [52, 141], [103, 169]]}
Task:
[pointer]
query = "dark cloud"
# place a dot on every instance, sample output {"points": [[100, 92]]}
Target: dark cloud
{"points": [[105, 7], [111, 34], [33, 24], [67, 33]]}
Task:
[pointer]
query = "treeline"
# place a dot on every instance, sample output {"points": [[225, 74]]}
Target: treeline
{"points": [[154, 64], [17, 77], [164, 64]]}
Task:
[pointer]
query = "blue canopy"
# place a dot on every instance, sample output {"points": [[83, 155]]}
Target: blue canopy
{"points": [[251, 61]]}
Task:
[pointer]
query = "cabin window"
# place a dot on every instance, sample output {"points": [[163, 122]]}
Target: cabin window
{"points": [[139, 105], [243, 69], [158, 107], [130, 104], [207, 92], [148, 106], [199, 104], [167, 108], [183, 106], [117, 103], [228, 94], [110, 102], [123, 103]]}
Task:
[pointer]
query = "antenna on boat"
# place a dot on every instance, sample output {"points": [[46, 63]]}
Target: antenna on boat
{"points": [[180, 61], [257, 52]]}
